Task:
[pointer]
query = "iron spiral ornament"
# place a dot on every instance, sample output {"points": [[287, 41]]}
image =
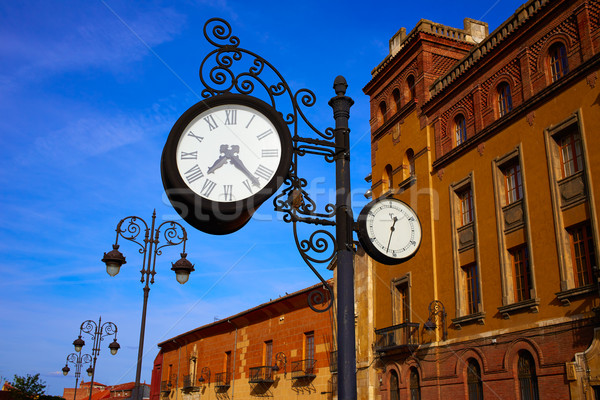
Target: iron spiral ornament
{"points": [[229, 68]]}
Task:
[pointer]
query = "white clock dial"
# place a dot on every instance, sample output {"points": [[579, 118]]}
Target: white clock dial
{"points": [[228, 153], [389, 230]]}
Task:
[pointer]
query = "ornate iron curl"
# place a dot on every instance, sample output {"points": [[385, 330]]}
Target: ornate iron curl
{"points": [[230, 68], [228, 55], [173, 235], [132, 231], [320, 242]]}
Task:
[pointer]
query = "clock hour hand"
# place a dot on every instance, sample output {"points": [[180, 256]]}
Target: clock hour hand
{"points": [[222, 160], [240, 165]]}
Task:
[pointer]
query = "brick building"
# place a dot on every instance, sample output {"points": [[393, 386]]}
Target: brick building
{"points": [[280, 349], [101, 391], [492, 138]]}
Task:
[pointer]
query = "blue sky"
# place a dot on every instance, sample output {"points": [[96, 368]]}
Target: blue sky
{"points": [[89, 91]]}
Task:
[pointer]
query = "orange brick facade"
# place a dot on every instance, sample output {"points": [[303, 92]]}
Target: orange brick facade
{"points": [[492, 139], [280, 334]]}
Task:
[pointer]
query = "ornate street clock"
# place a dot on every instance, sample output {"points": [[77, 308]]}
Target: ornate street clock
{"points": [[389, 230], [224, 157]]}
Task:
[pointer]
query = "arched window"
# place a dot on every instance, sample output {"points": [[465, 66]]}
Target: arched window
{"points": [[394, 386], [383, 111], [460, 129], [410, 84], [415, 386], [528, 385], [386, 179], [559, 66], [474, 385], [396, 96], [504, 99], [408, 164]]}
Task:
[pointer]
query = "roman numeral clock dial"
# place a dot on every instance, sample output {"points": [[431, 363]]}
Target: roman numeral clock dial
{"points": [[389, 230], [223, 158]]}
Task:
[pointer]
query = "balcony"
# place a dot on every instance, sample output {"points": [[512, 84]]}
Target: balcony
{"points": [[304, 369], [401, 337], [264, 374], [189, 384], [165, 386], [222, 380]]}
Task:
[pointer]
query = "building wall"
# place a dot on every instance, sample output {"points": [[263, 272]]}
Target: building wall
{"points": [[284, 321], [556, 323]]}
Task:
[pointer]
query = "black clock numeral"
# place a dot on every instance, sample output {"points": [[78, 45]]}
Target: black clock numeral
{"points": [[230, 117], [270, 153], [247, 184], [263, 135], [193, 174], [228, 192], [189, 156], [263, 172], [198, 138], [212, 124], [208, 187]]}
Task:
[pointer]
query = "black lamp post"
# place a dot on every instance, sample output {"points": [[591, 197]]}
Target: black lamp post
{"points": [[97, 331], [78, 359], [129, 228]]}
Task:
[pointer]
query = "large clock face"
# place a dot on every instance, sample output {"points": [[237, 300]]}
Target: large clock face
{"points": [[224, 157], [228, 153], [389, 230]]}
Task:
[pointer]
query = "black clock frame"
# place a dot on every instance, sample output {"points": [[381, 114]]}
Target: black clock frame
{"points": [[365, 241], [210, 216]]}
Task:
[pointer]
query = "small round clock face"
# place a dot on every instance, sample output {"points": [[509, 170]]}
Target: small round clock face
{"points": [[228, 153], [391, 231]]}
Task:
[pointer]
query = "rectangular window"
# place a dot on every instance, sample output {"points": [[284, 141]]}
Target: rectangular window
{"points": [[228, 365], [521, 274], [472, 287], [309, 346], [466, 206], [583, 254], [513, 183], [401, 303], [571, 158], [268, 353]]}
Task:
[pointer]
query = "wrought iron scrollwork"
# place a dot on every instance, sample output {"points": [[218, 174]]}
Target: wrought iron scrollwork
{"points": [[230, 68]]}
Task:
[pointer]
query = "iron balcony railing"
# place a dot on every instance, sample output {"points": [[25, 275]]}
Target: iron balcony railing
{"points": [[222, 380], [165, 386], [303, 369], [263, 374], [405, 335], [188, 382]]}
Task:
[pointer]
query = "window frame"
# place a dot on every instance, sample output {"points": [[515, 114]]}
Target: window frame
{"points": [[558, 62], [513, 181], [474, 381], [504, 98], [582, 275], [460, 129], [521, 272], [574, 150]]}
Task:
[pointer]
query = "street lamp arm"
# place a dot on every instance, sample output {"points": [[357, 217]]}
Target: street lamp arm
{"points": [[132, 230], [175, 234]]}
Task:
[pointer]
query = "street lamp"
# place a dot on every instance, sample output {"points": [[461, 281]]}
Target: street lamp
{"points": [[78, 359], [129, 228], [97, 331]]}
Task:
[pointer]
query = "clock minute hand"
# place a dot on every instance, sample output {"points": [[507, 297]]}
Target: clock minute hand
{"points": [[392, 229], [240, 165]]}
